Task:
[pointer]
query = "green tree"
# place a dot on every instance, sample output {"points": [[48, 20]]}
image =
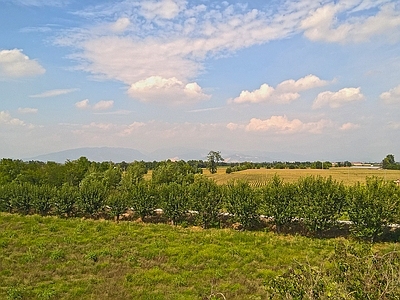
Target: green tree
{"points": [[213, 158], [143, 199], [389, 163], [65, 200], [174, 201], [92, 196]]}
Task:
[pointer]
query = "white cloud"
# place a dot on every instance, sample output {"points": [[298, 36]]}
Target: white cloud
{"points": [[285, 92], [169, 90], [164, 9], [349, 126], [84, 104], [14, 64], [393, 125], [281, 124], [27, 110], [323, 23], [120, 25], [101, 105], [54, 93], [128, 130], [392, 96], [56, 3], [6, 119], [339, 98]]}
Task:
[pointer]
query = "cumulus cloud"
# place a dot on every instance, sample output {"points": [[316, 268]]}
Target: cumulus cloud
{"points": [[120, 25], [285, 92], [172, 90], [15, 64], [349, 126], [392, 96], [27, 110], [101, 105], [6, 119], [54, 93], [339, 98], [323, 23], [281, 124]]}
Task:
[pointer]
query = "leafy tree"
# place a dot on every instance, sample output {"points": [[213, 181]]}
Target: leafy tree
{"points": [[206, 198], [5, 198], [389, 163], [321, 202], [134, 173], [43, 198], [243, 203], [372, 206], [117, 200], [92, 196], [21, 197], [174, 200], [65, 200], [278, 201], [143, 199], [213, 158], [178, 172], [112, 177], [76, 170]]}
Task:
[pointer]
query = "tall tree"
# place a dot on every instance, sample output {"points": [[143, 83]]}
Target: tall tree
{"points": [[213, 158]]}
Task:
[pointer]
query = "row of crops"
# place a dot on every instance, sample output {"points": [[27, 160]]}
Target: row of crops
{"points": [[318, 203]]}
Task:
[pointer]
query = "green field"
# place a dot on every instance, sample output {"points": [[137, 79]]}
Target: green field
{"points": [[349, 176], [51, 258]]}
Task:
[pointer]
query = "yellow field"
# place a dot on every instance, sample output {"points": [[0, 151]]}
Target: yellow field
{"points": [[349, 176]]}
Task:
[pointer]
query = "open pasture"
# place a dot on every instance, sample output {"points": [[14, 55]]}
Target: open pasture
{"points": [[348, 176]]}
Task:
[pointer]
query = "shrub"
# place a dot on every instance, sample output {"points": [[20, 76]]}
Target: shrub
{"points": [[117, 200], [143, 199], [321, 201], [242, 203], [174, 201], [207, 199], [92, 195], [42, 199], [65, 200], [21, 197], [373, 206]]}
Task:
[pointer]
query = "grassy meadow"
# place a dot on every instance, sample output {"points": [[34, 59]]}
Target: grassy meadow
{"points": [[52, 258]]}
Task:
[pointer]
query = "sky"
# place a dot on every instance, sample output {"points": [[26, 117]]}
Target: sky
{"points": [[319, 79]]}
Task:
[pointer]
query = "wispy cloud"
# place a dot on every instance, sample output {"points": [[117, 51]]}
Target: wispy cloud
{"points": [[101, 105], [205, 109], [54, 93], [27, 110]]}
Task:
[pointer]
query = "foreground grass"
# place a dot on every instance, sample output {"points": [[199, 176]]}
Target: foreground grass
{"points": [[51, 258]]}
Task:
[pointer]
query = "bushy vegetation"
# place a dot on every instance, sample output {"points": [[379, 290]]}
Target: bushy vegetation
{"points": [[101, 190]]}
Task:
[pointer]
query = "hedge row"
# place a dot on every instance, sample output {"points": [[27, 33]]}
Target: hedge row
{"points": [[317, 202]]}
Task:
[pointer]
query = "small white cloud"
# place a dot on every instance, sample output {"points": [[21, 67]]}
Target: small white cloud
{"points": [[171, 90], [392, 96], [339, 98], [84, 104], [14, 64], [101, 105], [281, 124], [285, 92], [27, 110], [349, 126], [120, 25], [128, 130], [54, 93], [393, 125], [233, 126]]}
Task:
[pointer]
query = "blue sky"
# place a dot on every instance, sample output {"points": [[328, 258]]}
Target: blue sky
{"points": [[315, 78]]}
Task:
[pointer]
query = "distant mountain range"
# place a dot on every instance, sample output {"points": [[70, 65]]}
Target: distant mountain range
{"points": [[125, 154]]}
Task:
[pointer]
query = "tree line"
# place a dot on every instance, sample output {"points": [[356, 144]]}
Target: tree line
{"points": [[84, 188]]}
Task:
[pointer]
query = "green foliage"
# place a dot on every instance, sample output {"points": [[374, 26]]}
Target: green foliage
{"points": [[42, 199], [134, 173], [117, 200], [207, 199], [213, 158], [112, 177], [174, 200], [5, 198], [242, 202], [143, 199], [389, 163], [21, 197], [372, 206], [65, 200], [92, 196], [76, 170], [278, 201], [321, 202], [179, 172]]}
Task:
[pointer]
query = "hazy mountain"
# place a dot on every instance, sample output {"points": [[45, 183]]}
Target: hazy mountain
{"points": [[178, 153], [94, 154]]}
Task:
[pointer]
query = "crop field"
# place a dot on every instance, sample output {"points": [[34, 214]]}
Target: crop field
{"points": [[348, 176], [52, 258]]}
